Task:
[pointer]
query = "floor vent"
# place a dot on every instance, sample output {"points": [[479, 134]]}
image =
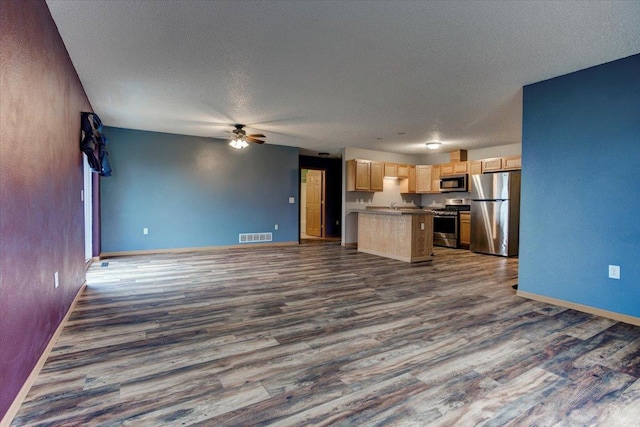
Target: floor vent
{"points": [[255, 237]]}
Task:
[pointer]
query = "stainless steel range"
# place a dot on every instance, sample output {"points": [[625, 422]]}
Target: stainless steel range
{"points": [[446, 222]]}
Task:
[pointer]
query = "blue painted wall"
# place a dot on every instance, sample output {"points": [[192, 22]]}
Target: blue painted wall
{"points": [[581, 187], [194, 192]]}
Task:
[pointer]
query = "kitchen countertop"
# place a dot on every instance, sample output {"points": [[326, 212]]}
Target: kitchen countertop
{"points": [[387, 211]]}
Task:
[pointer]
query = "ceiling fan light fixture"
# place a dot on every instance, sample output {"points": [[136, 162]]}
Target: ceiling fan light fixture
{"points": [[238, 143], [433, 145]]}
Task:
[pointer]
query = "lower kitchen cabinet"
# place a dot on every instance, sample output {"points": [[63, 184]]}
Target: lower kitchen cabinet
{"points": [[465, 229], [403, 235]]}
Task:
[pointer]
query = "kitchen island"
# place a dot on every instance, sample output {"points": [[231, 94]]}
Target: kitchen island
{"points": [[402, 234]]}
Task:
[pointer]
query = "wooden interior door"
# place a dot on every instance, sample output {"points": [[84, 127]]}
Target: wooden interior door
{"points": [[315, 202]]}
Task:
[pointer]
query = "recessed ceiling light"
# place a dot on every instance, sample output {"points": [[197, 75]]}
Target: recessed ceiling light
{"points": [[433, 145]]}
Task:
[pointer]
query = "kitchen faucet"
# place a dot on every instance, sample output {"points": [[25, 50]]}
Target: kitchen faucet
{"points": [[393, 205]]}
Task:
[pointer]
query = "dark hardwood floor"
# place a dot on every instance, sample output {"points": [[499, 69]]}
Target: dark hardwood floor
{"points": [[318, 334]]}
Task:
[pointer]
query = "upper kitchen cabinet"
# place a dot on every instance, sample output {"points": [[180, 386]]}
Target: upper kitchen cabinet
{"points": [[446, 169], [502, 164], [403, 171], [423, 178], [457, 164], [395, 170], [377, 176], [408, 186], [390, 170], [475, 167], [492, 165], [365, 175], [358, 175], [512, 162], [436, 171], [458, 156]]}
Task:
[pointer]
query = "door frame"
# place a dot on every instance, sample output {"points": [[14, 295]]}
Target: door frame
{"points": [[87, 196], [323, 210]]}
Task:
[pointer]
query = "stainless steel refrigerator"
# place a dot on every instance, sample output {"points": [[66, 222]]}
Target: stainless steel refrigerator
{"points": [[495, 213]]}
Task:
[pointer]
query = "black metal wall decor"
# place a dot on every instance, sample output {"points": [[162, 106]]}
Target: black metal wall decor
{"points": [[94, 144]]}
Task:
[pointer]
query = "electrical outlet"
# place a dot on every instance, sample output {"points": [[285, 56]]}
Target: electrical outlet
{"points": [[56, 280], [292, 200], [275, 227], [614, 272], [145, 230]]}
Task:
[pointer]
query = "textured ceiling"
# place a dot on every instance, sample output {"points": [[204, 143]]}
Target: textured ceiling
{"points": [[322, 75]]}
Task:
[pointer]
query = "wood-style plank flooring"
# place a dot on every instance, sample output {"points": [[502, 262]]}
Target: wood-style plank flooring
{"points": [[319, 334]]}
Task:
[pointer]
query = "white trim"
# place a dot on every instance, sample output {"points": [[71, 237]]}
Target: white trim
{"points": [[88, 209]]}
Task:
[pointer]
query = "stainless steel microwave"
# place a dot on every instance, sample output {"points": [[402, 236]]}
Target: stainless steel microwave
{"points": [[453, 183]]}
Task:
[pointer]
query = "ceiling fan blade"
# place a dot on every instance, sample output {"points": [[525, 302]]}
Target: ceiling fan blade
{"points": [[257, 135], [257, 141]]}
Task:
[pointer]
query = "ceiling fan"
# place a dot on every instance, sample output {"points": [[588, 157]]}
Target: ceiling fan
{"points": [[240, 139]]}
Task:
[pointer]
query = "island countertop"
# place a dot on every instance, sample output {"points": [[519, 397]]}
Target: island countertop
{"points": [[391, 211], [387, 212]]}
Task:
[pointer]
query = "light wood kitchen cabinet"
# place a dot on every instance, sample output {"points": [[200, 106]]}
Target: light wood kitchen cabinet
{"points": [[362, 178], [492, 165], [475, 167], [403, 171], [358, 175], [506, 163], [457, 168], [460, 168], [377, 176], [465, 229], [512, 162], [423, 178], [458, 156], [408, 186], [435, 178], [390, 170], [446, 169]]}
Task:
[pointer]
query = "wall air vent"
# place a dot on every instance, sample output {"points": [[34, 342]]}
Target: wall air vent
{"points": [[255, 237]]}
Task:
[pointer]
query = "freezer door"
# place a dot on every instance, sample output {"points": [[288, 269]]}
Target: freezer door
{"points": [[490, 227], [490, 186]]}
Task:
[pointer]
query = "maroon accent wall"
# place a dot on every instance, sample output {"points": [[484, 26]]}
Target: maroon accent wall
{"points": [[41, 213]]}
